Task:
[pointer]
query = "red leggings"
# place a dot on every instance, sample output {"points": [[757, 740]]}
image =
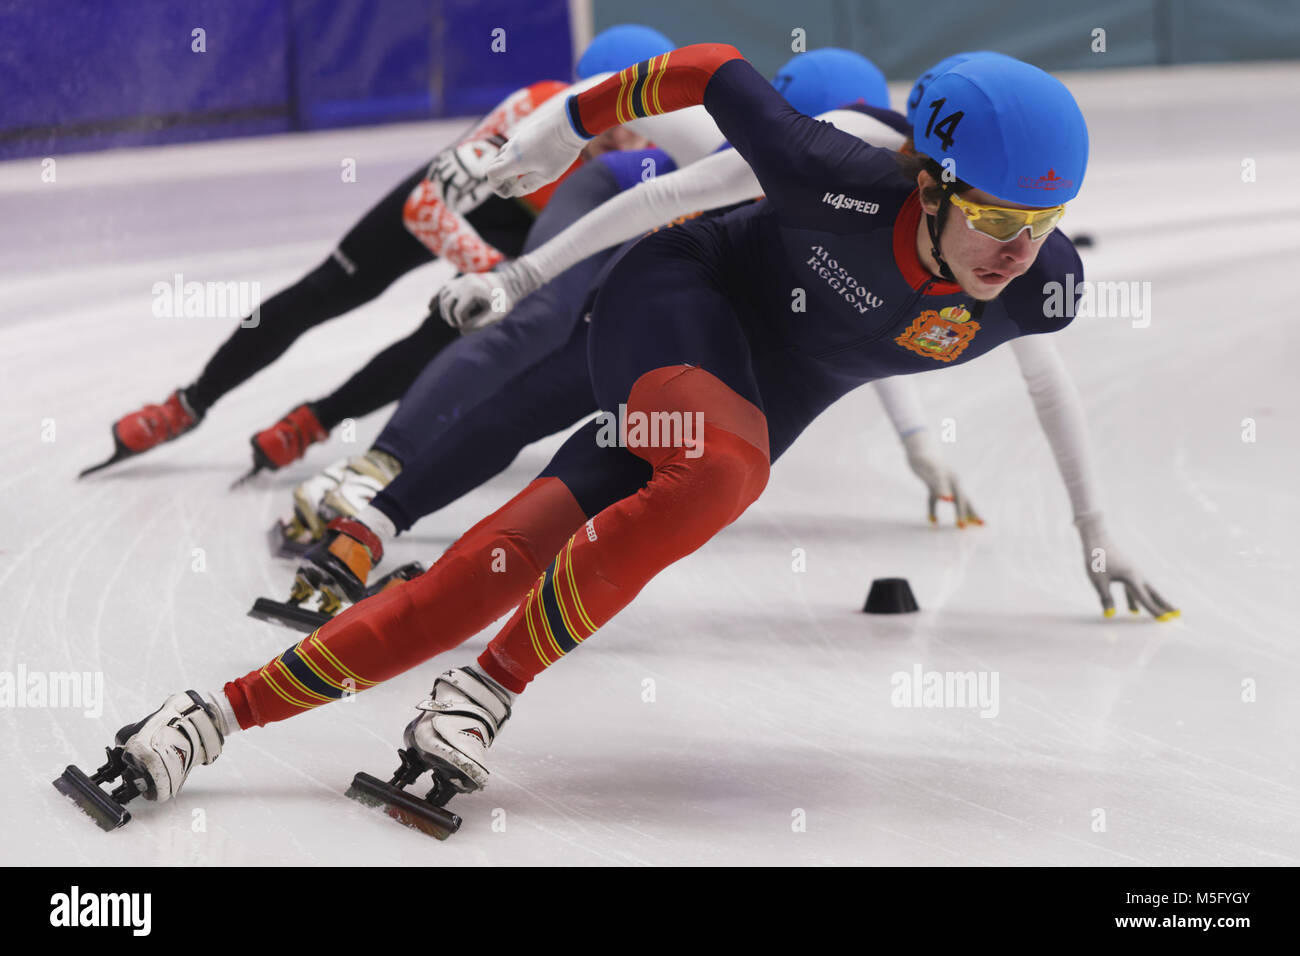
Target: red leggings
{"points": [[571, 576]]}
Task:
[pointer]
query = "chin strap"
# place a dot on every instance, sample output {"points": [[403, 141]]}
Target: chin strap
{"points": [[933, 227]]}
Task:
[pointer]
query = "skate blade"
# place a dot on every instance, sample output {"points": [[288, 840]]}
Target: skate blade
{"points": [[245, 478], [99, 806], [288, 615], [283, 544], [260, 464], [120, 453], [407, 809]]}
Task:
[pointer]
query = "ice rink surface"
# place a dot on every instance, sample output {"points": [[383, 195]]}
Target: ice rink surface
{"points": [[1116, 742]]}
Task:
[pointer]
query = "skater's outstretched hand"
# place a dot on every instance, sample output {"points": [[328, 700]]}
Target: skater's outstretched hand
{"points": [[539, 150], [1106, 566], [459, 173], [941, 483], [479, 299]]}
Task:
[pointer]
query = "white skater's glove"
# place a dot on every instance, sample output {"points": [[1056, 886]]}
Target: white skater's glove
{"points": [[479, 299], [924, 460], [1106, 566], [538, 151], [459, 173]]}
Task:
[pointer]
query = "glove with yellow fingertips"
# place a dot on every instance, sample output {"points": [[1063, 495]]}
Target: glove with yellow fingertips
{"points": [[927, 464], [1106, 566]]}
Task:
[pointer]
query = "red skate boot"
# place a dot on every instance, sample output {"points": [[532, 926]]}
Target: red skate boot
{"points": [[148, 428], [286, 441]]}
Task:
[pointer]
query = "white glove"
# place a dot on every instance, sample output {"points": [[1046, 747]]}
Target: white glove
{"points": [[538, 151], [1106, 566], [924, 460], [479, 299], [459, 173]]}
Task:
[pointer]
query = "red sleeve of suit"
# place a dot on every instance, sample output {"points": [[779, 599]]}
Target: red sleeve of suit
{"points": [[661, 84]]}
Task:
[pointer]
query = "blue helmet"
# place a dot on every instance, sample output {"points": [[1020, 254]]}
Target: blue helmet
{"points": [[1011, 129], [924, 80], [618, 47], [821, 80]]}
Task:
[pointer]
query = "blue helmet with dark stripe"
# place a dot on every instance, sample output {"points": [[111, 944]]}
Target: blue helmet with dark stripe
{"points": [[824, 79], [1006, 127], [926, 78], [618, 47]]}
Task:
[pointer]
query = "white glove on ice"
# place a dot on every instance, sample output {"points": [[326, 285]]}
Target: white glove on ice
{"points": [[538, 151], [1106, 566], [924, 460], [479, 299]]}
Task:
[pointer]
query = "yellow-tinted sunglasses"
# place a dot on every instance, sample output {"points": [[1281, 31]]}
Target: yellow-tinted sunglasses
{"points": [[1003, 224]]}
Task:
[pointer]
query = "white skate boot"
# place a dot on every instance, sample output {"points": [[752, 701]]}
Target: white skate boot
{"points": [[363, 477], [308, 524], [161, 750], [460, 720], [450, 738], [152, 757], [339, 491], [295, 537]]}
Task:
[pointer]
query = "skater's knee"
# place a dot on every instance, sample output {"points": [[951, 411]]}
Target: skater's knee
{"points": [[687, 501], [717, 479], [698, 398], [743, 469], [701, 435]]}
